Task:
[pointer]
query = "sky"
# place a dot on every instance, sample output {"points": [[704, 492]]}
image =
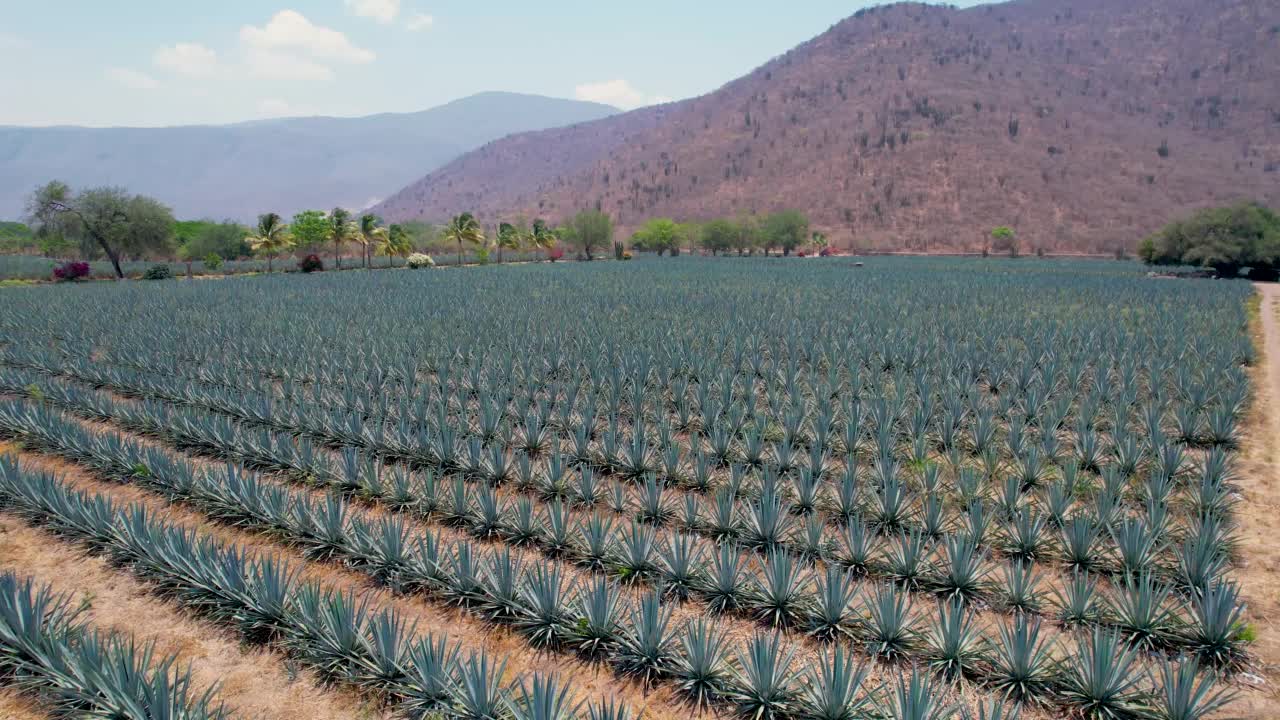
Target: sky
{"points": [[173, 62]]}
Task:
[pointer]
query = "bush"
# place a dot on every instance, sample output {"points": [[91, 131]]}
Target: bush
{"points": [[482, 255], [555, 253], [826, 252], [157, 272], [626, 255], [212, 262], [418, 261], [311, 263], [1225, 239], [72, 271]]}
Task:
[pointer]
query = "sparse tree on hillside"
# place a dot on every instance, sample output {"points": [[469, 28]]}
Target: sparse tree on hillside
{"points": [[108, 218], [788, 230], [1005, 240], [272, 237], [463, 229], [340, 231], [589, 231]]}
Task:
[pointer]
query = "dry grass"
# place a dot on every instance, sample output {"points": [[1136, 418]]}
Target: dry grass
{"points": [[14, 706]]}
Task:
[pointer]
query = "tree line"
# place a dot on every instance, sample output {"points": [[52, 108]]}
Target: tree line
{"points": [[1230, 240]]}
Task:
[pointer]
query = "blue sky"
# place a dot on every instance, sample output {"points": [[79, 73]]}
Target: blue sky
{"points": [[165, 62]]}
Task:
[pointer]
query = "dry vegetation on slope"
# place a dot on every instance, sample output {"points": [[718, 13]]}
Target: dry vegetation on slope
{"points": [[1084, 124]]}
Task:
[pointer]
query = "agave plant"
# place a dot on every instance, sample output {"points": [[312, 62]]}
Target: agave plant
{"points": [[888, 630], [1186, 693], [780, 595], [546, 697], [545, 595], [1022, 665], [953, 644], [1078, 601], [700, 667], [723, 584], [1102, 680], [645, 648], [915, 698], [477, 692], [1215, 629], [760, 684], [831, 613], [962, 573], [834, 688]]}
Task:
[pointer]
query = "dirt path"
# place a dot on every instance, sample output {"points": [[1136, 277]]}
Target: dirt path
{"points": [[1259, 551]]}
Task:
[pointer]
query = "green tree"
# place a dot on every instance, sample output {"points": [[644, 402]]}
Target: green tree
{"points": [[340, 231], [1227, 239], [367, 236], [395, 242], [108, 218], [202, 238], [718, 235], [461, 229], [541, 236], [272, 237], [819, 241], [788, 230], [747, 237], [310, 230], [589, 231], [659, 235], [509, 238], [1004, 239]]}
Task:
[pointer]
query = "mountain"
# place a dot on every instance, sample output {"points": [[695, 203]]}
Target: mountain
{"points": [[1084, 124], [238, 171]]}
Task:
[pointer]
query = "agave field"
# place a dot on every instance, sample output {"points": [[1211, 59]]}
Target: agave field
{"points": [[919, 490]]}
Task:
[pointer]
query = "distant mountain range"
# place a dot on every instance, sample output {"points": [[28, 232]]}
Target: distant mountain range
{"points": [[238, 171], [1084, 124]]}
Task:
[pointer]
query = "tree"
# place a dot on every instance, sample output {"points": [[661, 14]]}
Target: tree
{"points": [[464, 228], [788, 230], [541, 236], [395, 242], [589, 231], [658, 235], [719, 235], [509, 238], [310, 231], [367, 236], [819, 241], [108, 217], [1003, 239], [747, 236], [203, 238], [340, 230], [272, 237], [1226, 239]]}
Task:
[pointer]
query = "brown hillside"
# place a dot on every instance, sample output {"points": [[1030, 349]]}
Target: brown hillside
{"points": [[1083, 123]]}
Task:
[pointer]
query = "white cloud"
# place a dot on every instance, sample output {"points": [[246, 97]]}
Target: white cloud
{"points": [[270, 65], [289, 30], [618, 93], [420, 21], [384, 11], [190, 59], [132, 78], [274, 107]]}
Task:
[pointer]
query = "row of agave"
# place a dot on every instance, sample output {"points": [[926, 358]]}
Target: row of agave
{"points": [[50, 651], [763, 513], [337, 634], [1037, 436], [784, 592], [554, 612]]}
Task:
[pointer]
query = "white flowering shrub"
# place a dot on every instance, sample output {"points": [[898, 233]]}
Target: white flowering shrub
{"points": [[419, 260]]}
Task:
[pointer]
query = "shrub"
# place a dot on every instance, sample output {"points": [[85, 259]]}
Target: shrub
{"points": [[626, 255], [418, 261], [157, 272], [212, 262], [71, 271], [482, 256], [311, 263], [826, 252], [555, 253]]}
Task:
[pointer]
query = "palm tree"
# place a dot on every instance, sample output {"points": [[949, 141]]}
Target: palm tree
{"points": [[464, 228], [340, 231], [540, 237], [509, 238], [272, 238], [367, 236], [394, 242]]}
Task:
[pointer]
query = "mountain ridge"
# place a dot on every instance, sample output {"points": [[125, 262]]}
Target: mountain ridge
{"points": [[241, 169], [1083, 124]]}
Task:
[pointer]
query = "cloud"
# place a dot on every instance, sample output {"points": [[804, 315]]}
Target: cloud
{"points": [[418, 22], [270, 65], [618, 93], [289, 30], [274, 107], [383, 11], [132, 78], [190, 59]]}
